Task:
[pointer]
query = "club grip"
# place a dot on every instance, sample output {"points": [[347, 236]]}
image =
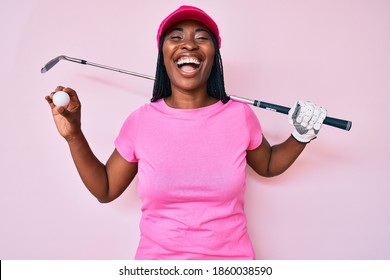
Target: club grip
{"points": [[339, 123]]}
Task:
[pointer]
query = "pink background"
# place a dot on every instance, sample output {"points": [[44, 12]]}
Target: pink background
{"points": [[332, 204]]}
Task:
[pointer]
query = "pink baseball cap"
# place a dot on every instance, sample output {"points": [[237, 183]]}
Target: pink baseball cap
{"points": [[188, 13]]}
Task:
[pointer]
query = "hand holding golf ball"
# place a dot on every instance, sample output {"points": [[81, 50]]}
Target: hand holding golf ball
{"points": [[66, 111], [61, 99]]}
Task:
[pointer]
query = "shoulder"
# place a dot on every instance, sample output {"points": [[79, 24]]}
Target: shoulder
{"points": [[240, 108], [144, 109], [247, 113]]}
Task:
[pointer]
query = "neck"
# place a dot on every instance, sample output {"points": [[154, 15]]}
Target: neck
{"points": [[189, 100]]}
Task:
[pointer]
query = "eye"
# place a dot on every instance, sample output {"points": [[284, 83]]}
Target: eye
{"points": [[202, 38], [175, 37]]}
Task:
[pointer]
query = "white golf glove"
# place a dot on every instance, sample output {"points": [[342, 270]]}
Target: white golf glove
{"points": [[307, 119]]}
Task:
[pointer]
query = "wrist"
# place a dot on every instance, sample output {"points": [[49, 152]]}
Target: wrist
{"points": [[303, 138], [75, 138]]}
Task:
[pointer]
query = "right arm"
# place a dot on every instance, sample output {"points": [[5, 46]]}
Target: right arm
{"points": [[105, 181]]}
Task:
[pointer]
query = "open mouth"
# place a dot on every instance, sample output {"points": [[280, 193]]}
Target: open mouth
{"points": [[188, 64]]}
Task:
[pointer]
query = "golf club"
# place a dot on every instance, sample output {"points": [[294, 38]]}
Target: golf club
{"points": [[339, 123]]}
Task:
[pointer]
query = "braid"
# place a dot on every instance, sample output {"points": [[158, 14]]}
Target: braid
{"points": [[162, 85], [216, 82]]}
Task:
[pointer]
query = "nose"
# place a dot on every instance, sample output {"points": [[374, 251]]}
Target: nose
{"points": [[189, 44]]}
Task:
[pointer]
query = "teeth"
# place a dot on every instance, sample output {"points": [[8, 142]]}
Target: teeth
{"points": [[184, 60]]}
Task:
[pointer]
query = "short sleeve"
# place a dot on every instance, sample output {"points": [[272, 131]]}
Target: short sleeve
{"points": [[254, 129], [126, 140]]}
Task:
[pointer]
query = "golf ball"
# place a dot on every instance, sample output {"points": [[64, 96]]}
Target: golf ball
{"points": [[61, 98]]}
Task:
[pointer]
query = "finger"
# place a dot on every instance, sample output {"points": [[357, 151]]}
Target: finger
{"points": [[49, 100], [309, 110], [63, 112], [72, 94], [301, 112], [292, 113], [321, 119], [59, 88], [314, 118]]}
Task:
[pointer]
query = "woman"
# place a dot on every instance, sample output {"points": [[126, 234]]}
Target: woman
{"points": [[189, 147]]}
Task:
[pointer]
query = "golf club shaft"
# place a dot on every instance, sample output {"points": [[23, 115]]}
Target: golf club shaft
{"points": [[57, 59], [339, 123]]}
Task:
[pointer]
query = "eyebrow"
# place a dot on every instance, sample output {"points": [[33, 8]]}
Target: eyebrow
{"points": [[182, 30]]}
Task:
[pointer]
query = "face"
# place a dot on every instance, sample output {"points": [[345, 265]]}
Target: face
{"points": [[188, 56]]}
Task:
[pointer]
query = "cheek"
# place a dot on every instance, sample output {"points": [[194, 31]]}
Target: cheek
{"points": [[167, 53], [210, 63], [167, 64]]}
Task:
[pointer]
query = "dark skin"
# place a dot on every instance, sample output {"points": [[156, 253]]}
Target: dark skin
{"points": [[187, 39], [105, 181]]}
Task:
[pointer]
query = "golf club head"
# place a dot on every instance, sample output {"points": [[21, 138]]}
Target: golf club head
{"points": [[51, 63]]}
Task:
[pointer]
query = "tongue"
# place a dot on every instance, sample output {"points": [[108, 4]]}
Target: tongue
{"points": [[188, 68]]}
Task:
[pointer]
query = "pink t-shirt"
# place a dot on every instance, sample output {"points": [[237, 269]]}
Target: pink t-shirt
{"points": [[191, 171]]}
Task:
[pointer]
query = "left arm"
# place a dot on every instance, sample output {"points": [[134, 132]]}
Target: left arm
{"points": [[268, 161]]}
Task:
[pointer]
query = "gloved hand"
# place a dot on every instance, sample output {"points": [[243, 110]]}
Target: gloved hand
{"points": [[307, 119]]}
